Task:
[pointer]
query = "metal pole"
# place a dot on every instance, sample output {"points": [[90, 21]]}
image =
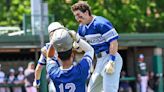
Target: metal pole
{"points": [[158, 68], [43, 86], [41, 29]]}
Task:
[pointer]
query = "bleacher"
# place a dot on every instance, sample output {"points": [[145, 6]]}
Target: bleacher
{"points": [[10, 31]]}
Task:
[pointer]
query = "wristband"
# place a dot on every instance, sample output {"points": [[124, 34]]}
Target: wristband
{"points": [[37, 81], [112, 57]]}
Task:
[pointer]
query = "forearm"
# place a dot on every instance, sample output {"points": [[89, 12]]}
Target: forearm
{"points": [[38, 71], [113, 47], [82, 44], [86, 47]]}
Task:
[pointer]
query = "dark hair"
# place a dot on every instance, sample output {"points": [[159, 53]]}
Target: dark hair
{"points": [[65, 55], [82, 6]]}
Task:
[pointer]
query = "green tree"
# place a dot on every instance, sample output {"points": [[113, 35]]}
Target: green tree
{"points": [[126, 15], [12, 12]]}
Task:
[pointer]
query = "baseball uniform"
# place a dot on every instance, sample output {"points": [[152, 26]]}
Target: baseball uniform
{"points": [[99, 33]]}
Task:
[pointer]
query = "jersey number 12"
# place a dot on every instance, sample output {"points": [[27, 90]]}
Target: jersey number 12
{"points": [[70, 86]]}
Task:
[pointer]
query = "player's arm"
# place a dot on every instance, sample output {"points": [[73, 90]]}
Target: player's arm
{"points": [[86, 61], [110, 35], [37, 74], [39, 67], [113, 48], [89, 51], [38, 71], [52, 65], [75, 45], [41, 63]]}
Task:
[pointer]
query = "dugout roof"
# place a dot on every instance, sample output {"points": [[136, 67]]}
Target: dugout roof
{"points": [[127, 40]]}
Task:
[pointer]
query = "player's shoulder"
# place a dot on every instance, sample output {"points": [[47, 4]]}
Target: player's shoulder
{"points": [[86, 59], [101, 20]]}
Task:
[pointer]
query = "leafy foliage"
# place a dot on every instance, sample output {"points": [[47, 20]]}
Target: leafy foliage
{"points": [[12, 11], [127, 16]]}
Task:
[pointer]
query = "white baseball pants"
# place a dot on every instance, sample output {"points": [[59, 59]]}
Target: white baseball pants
{"points": [[101, 81]]}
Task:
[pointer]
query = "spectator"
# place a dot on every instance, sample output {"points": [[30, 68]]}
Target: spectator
{"points": [[124, 85], [142, 71], [29, 77], [2, 80], [11, 80], [20, 79]]}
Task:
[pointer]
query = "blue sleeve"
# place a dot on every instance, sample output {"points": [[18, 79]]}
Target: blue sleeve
{"points": [[107, 31], [53, 68], [42, 60], [80, 31], [85, 64]]}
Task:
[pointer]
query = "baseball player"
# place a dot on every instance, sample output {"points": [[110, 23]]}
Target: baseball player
{"points": [[42, 60], [69, 77], [102, 36], [142, 73]]}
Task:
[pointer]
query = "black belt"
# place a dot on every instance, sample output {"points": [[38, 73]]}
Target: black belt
{"points": [[99, 55]]}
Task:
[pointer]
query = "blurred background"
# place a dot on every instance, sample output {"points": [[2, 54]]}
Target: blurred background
{"points": [[23, 31]]}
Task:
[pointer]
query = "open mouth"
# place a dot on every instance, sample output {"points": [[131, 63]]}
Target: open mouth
{"points": [[79, 21]]}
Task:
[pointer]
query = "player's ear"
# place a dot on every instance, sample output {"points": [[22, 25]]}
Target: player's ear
{"points": [[72, 55]]}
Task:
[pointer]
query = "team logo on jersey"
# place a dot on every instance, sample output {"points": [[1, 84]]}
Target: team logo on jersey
{"points": [[94, 39]]}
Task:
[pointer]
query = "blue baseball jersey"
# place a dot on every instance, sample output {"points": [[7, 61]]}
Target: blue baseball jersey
{"points": [[72, 79], [42, 58], [99, 33]]}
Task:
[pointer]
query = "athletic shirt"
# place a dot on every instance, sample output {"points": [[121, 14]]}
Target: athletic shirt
{"points": [[20, 77], [2, 77], [72, 79], [99, 33], [142, 68]]}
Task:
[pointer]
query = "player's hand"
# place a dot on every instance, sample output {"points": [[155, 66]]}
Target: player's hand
{"points": [[44, 51], [77, 47], [110, 67], [36, 83], [74, 35]]}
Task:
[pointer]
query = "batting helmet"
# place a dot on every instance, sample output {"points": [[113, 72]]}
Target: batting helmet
{"points": [[54, 26], [62, 40]]}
